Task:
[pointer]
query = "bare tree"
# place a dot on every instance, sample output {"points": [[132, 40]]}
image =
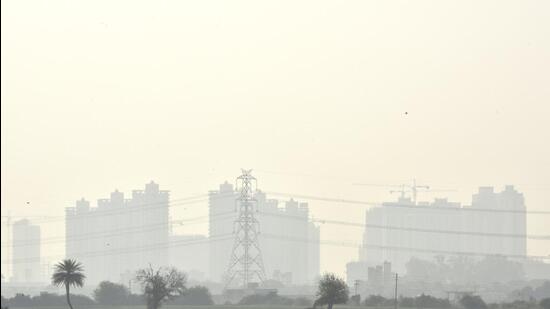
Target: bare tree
{"points": [[161, 285]]}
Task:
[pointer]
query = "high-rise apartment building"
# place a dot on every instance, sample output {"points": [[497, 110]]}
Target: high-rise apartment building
{"points": [[289, 241], [396, 232], [26, 252], [119, 235]]}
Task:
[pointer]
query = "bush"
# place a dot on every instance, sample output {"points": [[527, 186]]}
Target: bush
{"points": [[493, 306], [427, 301], [519, 304], [355, 300], [45, 299], [545, 303], [196, 296], [472, 302], [374, 301], [302, 302], [112, 294], [79, 300], [4, 302], [407, 302], [49, 299], [266, 299], [135, 299], [20, 300]]}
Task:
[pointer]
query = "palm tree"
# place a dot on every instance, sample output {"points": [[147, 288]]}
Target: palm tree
{"points": [[68, 273]]}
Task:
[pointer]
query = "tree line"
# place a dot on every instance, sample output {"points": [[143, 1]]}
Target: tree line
{"points": [[107, 294], [168, 286], [159, 286], [467, 302]]}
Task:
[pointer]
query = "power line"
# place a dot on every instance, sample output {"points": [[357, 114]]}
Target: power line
{"points": [[411, 229], [338, 243], [396, 205], [101, 212], [421, 230], [98, 253], [98, 212], [406, 249], [116, 232], [192, 200], [230, 214]]}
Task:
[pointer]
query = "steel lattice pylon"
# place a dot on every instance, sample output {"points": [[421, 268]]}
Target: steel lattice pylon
{"points": [[246, 264]]}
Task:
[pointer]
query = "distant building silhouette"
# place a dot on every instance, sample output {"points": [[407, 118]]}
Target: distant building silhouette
{"points": [[371, 280], [437, 216], [282, 231], [26, 252], [222, 212], [119, 235], [380, 277], [190, 254], [356, 271], [499, 223]]}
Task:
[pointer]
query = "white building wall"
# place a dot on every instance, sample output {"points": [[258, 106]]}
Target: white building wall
{"points": [[26, 252], [382, 243], [119, 235], [222, 213], [289, 242]]}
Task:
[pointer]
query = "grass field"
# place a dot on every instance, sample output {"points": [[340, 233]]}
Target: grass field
{"points": [[170, 307], [191, 307]]}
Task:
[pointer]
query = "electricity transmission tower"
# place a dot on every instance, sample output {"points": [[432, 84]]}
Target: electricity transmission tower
{"points": [[246, 264]]}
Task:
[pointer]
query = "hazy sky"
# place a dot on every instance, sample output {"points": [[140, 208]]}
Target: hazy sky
{"points": [[98, 95]]}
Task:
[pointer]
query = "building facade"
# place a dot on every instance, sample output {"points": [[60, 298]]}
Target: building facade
{"points": [[119, 235], [397, 232], [26, 252], [282, 230]]}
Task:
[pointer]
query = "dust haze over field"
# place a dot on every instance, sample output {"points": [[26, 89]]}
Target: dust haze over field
{"points": [[313, 96]]}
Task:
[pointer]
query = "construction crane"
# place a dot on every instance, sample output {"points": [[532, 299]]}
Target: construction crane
{"points": [[402, 191], [410, 188], [404, 188], [414, 188]]}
